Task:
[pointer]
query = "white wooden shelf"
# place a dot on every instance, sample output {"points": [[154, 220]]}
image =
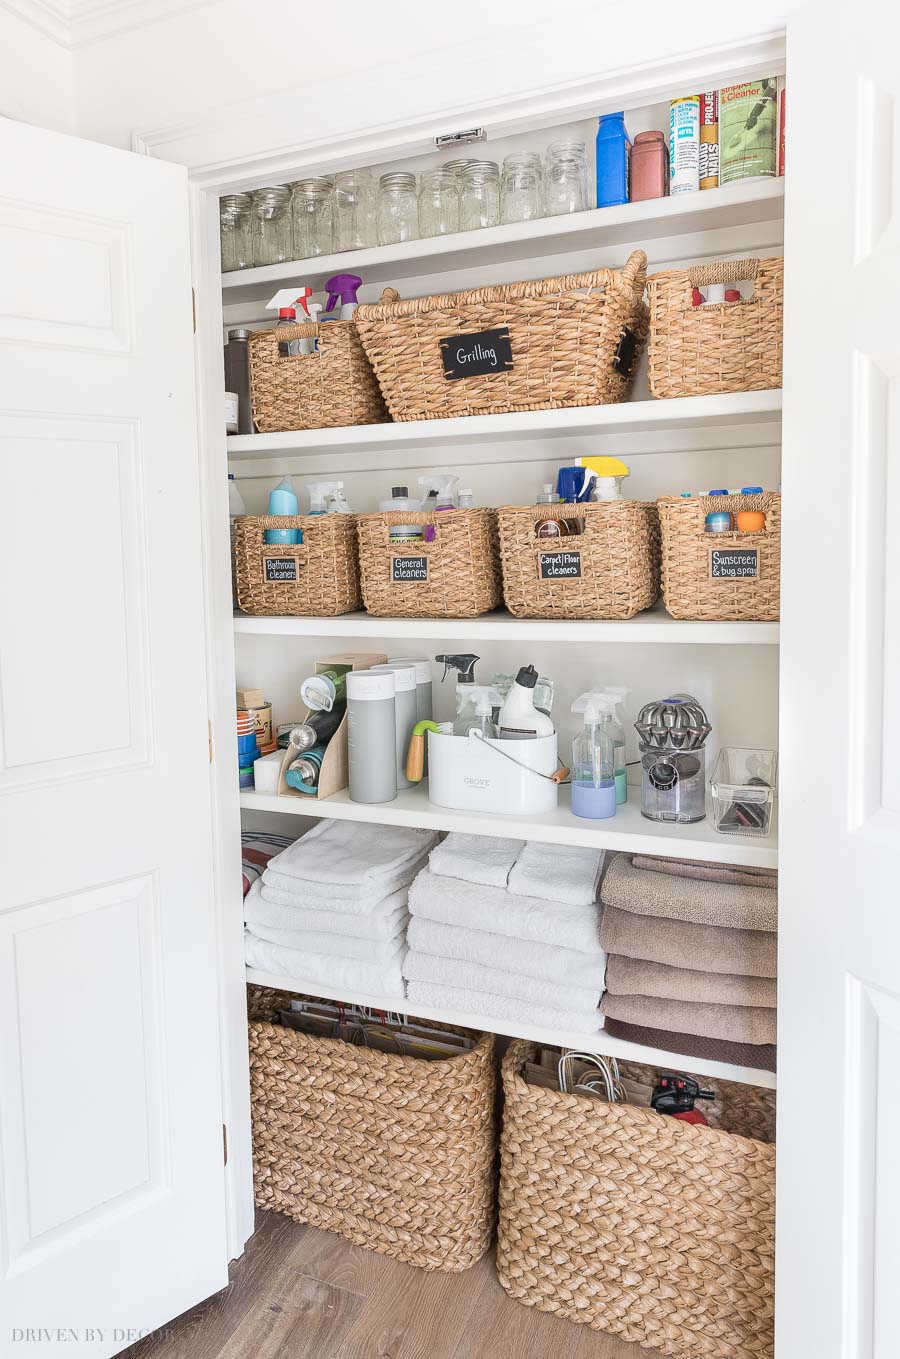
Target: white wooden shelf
{"points": [[733, 205], [627, 830], [652, 626], [568, 1038]]}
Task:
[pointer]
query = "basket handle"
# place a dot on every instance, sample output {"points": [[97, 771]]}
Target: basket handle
{"points": [[727, 271], [388, 295]]}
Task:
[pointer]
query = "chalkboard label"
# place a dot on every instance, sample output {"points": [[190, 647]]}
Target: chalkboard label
{"points": [[559, 565], [734, 563], [487, 351], [405, 570], [280, 568]]}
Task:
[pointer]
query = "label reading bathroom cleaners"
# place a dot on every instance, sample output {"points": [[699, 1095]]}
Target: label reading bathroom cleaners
{"points": [[407, 569], [730, 563], [559, 565], [487, 351], [280, 568]]}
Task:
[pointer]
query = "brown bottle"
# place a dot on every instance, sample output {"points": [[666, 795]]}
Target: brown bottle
{"points": [[649, 166]]}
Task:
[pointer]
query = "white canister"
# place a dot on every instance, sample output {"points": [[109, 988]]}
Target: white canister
{"points": [[371, 736], [684, 145], [474, 775], [405, 711]]}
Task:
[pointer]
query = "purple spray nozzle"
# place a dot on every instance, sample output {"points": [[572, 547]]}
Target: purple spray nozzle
{"points": [[342, 289]]}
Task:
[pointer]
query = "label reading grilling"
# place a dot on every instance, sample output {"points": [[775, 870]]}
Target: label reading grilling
{"points": [[280, 568], [486, 351], [409, 569], [734, 563], [559, 565]]}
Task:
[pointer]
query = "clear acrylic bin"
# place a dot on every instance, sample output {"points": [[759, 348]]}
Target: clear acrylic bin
{"points": [[743, 787]]}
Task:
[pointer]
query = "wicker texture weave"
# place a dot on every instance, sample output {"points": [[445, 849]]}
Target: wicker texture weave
{"points": [[688, 590], [619, 551], [393, 1152], [634, 1223], [327, 573], [725, 347], [564, 334], [463, 566], [333, 386]]}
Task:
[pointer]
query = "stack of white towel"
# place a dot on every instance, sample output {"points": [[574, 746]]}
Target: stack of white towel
{"points": [[332, 907], [509, 930]]}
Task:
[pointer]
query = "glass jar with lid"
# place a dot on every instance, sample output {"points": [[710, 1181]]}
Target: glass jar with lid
{"points": [[234, 231], [565, 178], [354, 210], [272, 225], [438, 203], [397, 213], [458, 166], [479, 195], [521, 187], [311, 216]]}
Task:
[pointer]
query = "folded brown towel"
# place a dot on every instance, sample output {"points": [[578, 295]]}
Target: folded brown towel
{"points": [[695, 868], [635, 977], [761, 1057], [704, 903], [734, 1023], [704, 948]]}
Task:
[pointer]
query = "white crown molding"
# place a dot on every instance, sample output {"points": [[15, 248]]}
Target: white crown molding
{"points": [[74, 23]]}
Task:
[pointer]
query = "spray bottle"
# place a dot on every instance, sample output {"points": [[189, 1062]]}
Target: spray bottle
{"points": [[285, 302], [283, 500], [609, 474], [327, 497], [464, 664], [479, 713], [442, 487], [618, 720], [341, 291], [593, 758]]}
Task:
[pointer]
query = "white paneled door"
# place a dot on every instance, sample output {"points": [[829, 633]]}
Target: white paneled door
{"points": [[839, 970], [111, 1140]]}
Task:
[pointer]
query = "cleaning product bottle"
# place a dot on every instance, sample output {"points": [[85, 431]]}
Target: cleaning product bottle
{"points": [[442, 487], [549, 528], [481, 722], [519, 719], [339, 504], [613, 160], [342, 299], [618, 720], [285, 302], [322, 691], [675, 1095], [327, 497], [609, 473], [400, 499], [464, 500], [283, 500], [593, 758], [464, 664]]}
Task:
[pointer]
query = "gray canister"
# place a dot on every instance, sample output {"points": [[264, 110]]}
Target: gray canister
{"points": [[423, 683], [371, 735], [405, 709]]}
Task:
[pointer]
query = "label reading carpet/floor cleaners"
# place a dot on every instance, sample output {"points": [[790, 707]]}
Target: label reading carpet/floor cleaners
{"points": [[405, 570], [734, 563], [280, 568], [559, 565], [477, 355]]}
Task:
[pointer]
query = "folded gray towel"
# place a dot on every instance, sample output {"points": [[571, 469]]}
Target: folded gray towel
{"points": [[733, 1023], [634, 977], [695, 868], [702, 948], [668, 895]]}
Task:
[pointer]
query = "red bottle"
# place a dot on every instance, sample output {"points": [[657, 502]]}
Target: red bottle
{"points": [[649, 166]]}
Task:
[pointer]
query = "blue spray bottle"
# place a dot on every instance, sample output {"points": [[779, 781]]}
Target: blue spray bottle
{"points": [[283, 500], [613, 160]]}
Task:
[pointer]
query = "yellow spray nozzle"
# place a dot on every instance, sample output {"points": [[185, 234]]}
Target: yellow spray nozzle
{"points": [[604, 466]]}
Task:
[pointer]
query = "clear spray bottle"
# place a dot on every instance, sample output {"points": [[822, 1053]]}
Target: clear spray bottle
{"points": [[593, 758]]}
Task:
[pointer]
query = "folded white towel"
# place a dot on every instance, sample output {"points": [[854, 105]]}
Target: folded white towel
{"points": [[425, 967], [353, 853], [365, 904], [326, 969], [475, 858], [339, 945], [326, 896], [388, 918], [491, 909], [483, 1005], [557, 873], [524, 956]]}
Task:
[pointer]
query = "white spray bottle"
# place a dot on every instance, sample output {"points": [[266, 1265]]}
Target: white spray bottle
{"points": [[619, 718]]}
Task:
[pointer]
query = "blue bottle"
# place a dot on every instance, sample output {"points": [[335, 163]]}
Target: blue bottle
{"points": [[283, 500], [613, 160]]}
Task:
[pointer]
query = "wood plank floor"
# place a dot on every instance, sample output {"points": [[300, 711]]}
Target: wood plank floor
{"points": [[301, 1293]]}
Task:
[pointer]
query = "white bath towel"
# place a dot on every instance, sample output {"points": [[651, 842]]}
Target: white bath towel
{"points": [[353, 853], [326, 969], [325, 896], [364, 904], [524, 956], [385, 920], [425, 967], [557, 873], [340, 945], [484, 1005], [490, 908], [486, 859]]}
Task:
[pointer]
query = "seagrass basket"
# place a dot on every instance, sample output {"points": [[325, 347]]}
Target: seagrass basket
{"points": [[570, 341], [717, 577], [611, 570], [333, 386], [632, 1222], [724, 347], [457, 575], [391, 1151], [318, 578]]}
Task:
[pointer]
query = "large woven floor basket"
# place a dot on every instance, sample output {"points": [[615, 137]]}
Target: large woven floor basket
{"points": [[724, 347], [717, 577], [333, 386], [393, 1152], [611, 570], [457, 575], [632, 1222], [318, 578], [564, 337]]}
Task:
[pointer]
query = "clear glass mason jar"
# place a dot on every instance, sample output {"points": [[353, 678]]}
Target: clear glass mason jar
{"points": [[311, 216], [566, 186], [479, 195], [397, 212], [458, 166], [234, 231], [438, 203], [521, 187], [354, 210], [272, 225]]}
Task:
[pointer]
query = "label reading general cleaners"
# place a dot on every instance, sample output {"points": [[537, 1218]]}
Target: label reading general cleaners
{"points": [[488, 351], [280, 568], [406, 569], [731, 563], [559, 565]]}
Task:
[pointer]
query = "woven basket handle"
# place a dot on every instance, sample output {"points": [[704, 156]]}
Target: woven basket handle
{"points": [[728, 271], [389, 295]]}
